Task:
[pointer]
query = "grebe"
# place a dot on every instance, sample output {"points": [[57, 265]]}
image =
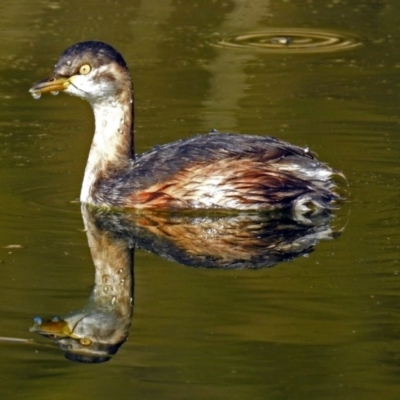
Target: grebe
{"points": [[212, 171]]}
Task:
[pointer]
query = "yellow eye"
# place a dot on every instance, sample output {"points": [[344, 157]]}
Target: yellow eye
{"points": [[85, 69], [85, 341]]}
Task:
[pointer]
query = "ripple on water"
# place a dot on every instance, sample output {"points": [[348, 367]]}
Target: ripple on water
{"points": [[290, 40]]}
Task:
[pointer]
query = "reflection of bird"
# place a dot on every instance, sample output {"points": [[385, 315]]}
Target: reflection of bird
{"points": [[211, 171], [95, 332], [236, 240]]}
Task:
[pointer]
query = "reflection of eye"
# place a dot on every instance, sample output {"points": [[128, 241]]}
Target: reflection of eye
{"points": [[85, 69], [85, 341]]}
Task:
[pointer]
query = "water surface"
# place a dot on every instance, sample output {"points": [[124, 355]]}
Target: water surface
{"points": [[323, 326]]}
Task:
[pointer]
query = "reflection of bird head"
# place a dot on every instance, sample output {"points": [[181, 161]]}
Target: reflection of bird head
{"points": [[89, 337]]}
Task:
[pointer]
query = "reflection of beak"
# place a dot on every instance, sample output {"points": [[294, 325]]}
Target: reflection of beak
{"points": [[52, 84], [54, 328]]}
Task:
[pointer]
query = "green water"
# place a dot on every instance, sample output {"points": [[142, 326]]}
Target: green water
{"points": [[324, 326]]}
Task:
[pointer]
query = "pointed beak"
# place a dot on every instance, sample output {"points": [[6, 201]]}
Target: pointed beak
{"points": [[52, 84]]}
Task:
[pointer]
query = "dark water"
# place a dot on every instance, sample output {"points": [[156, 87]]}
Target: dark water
{"points": [[323, 326]]}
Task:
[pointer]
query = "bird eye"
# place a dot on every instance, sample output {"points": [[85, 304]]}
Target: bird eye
{"points": [[85, 341], [85, 69]]}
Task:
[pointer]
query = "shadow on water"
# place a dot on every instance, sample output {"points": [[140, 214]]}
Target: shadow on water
{"points": [[95, 332]]}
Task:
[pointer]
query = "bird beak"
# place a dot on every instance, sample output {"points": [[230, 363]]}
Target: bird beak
{"points": [[53, 328], [52, 84]]}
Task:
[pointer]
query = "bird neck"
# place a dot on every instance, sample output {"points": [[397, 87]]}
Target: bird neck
{"points": [[112, 148]]}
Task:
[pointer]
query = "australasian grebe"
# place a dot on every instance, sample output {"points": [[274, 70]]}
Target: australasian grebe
{"points": [[213, 171]]}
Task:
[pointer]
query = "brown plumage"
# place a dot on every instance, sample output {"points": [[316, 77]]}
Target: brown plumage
{"points": [[213, 171]]}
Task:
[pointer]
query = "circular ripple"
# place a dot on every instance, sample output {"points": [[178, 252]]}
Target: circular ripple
{"points": [[291, 41]]}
